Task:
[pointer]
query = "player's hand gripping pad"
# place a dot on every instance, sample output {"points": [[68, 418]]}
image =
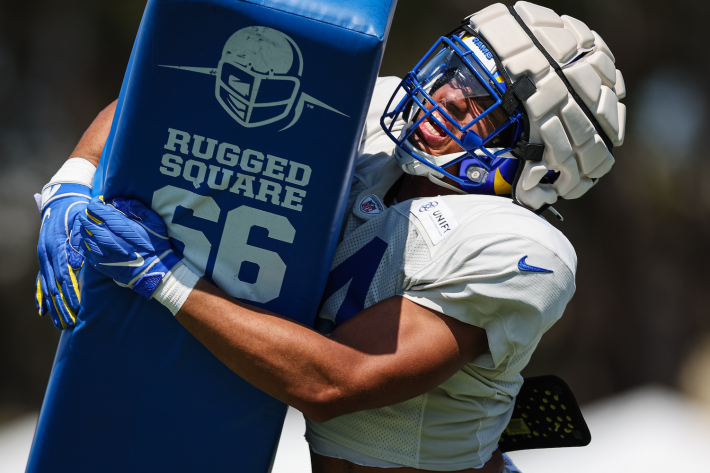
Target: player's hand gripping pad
{"points": [[237, 123]]}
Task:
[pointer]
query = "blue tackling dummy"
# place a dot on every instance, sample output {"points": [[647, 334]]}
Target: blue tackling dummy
{"points": [[237, 123]]}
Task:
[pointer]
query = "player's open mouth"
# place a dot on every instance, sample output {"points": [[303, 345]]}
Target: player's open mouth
{"points": [[431, 133]]}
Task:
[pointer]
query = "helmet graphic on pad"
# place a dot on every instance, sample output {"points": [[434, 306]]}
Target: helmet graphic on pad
{"points": [[523, 101], [258, 76], [258, 79]]}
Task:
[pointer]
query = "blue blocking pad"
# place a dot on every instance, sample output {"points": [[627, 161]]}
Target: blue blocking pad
{"points": [[237, 122]]}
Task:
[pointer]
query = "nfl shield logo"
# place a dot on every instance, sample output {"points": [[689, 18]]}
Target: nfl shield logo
{"points": [[371, 205]]}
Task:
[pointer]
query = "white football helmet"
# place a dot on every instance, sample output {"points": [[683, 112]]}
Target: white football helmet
{"points": [[536, 87]]}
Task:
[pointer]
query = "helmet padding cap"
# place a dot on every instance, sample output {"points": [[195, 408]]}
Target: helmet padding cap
{"points": [[575, 111]]}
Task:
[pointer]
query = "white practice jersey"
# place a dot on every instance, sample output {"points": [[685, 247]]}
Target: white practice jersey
{"points": [[480, 259]]}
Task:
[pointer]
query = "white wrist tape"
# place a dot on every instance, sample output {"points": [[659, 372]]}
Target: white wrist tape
{"points": [[74, 171], [175, 287]]}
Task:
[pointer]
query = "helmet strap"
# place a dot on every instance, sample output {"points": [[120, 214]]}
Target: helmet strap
{"points": [[528, 151]]}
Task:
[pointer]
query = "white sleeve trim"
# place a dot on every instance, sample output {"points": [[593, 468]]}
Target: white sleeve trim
{"points": [[74, 171], [176, 287], [424, 302]]}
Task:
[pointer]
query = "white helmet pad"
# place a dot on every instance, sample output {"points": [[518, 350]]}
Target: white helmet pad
{"points": [[583, 35], [573, 146], [604, 68], [529, 63], [560, 43], [586, 82]]}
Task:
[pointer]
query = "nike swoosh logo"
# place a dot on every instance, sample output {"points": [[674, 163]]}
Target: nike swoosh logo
{"points": [[523, 266], [136, 263]]}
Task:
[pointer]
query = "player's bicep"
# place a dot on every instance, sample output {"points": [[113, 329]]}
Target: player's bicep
{"points": [[405, 350]]}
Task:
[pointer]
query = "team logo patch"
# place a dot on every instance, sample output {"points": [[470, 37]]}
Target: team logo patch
{"points": [[429, 206], [371, 205], [259, 78], [437, 218]]}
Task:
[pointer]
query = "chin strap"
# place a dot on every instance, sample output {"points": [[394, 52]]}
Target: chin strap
{"points": [[441, 183]]}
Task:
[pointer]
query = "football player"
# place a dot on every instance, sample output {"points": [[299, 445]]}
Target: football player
{"points": [[445, 276]]}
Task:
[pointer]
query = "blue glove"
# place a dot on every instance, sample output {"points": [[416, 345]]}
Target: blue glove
{"points": [[127, 242], [60, 253]]}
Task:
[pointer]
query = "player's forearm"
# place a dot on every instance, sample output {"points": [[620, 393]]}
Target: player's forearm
{"points": [[323, 377], [92, 142], [392, 351], [282, 358]]}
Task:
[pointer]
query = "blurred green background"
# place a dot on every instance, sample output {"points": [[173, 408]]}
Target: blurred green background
{"points": [[640, 314]]}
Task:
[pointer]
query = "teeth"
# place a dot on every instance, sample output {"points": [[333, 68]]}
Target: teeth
{"points": [[431, 128]]}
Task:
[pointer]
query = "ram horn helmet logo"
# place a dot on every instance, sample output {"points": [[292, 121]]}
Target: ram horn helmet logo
{"points": [[258, 78]]}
